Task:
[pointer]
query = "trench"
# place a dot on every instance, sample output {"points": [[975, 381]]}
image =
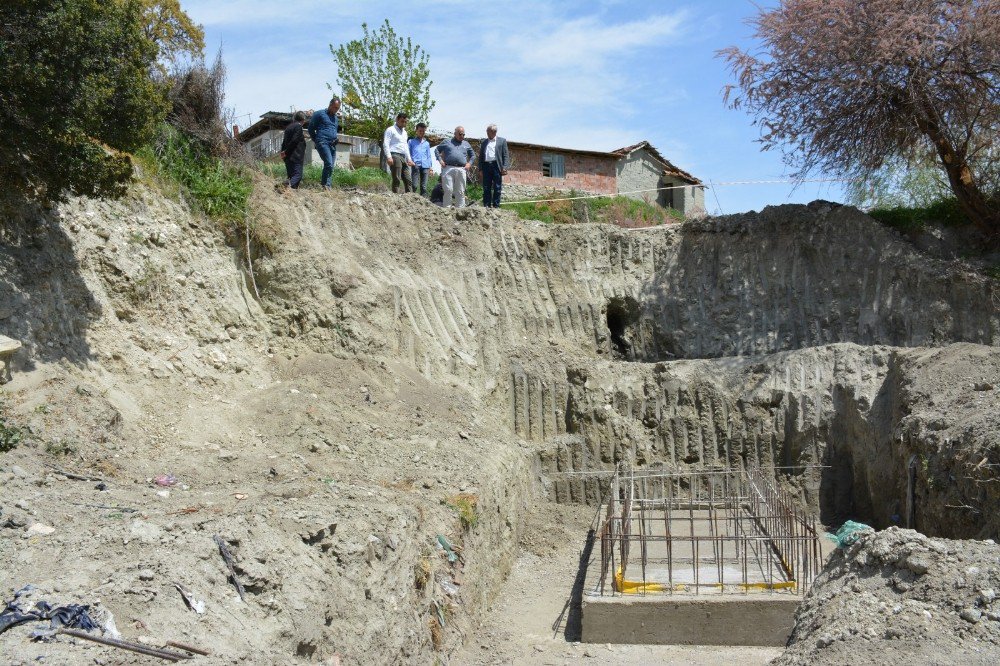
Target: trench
{"points": [[843, 466]]}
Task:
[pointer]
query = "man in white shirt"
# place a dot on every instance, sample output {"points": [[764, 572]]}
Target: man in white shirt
{"points": [[397, 153]]}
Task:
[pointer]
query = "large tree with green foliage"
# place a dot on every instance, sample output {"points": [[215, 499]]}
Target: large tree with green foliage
{"points": [[849, 86], [75, 91], [380, 75], [169, 27]]}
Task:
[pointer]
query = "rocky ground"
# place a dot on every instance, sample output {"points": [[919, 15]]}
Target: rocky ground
{"points": [[367, 419], [897, 594]]}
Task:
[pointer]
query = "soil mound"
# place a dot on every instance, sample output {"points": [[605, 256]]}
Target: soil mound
{"points": [[896, 597]]}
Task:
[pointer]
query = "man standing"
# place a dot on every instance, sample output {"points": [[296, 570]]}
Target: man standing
{"points": [[323, 129], [397, 152], [494, 160], [455, 156], [293, 150], [420, 153]]}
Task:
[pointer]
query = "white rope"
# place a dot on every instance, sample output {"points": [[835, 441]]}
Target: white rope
{"points": [[680, 187]]}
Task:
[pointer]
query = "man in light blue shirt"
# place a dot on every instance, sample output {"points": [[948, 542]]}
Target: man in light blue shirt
{"points": [[420, 153]]}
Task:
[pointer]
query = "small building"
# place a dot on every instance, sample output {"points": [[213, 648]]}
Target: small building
{"points": [[643, 173], [548, 167], [264, 138]]}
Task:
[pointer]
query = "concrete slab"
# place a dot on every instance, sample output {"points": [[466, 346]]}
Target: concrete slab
{"points": [[759, 620]]}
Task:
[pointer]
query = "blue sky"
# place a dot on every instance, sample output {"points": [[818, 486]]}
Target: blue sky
{"points": [[598, 75]]}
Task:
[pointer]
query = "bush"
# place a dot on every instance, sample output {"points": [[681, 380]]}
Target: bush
{"points": [[219, 188], [946, 212], [75, 88], [10, 436], [196, 98]]}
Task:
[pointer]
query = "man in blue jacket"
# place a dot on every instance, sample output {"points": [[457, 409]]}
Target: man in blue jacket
{"points": [[494, 160], [323, 128]]}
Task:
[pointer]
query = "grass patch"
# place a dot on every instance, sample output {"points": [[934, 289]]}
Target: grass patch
{"points": [[618, 210], [10, 436], [465, 505], [364, 178], [945, 212], [149, 287], [219, 188], [61, 448]]}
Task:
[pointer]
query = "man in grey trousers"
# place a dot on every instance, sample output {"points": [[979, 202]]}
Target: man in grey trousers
{"points": [[397, 153], [455, 156]]}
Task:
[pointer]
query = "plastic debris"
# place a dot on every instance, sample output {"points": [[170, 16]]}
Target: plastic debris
{"points": [[849, 533], [449, 588], [72, 616], [165, 480], [452, 557], [197, 605]]}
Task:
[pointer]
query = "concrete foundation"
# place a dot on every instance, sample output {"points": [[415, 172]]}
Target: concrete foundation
{"points": [[685, 620]]}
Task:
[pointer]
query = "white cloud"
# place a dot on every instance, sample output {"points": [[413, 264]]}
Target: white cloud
{"points": [[212, 13], [587, 41]]}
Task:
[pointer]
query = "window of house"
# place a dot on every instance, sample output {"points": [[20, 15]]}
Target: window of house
{"points": [[553, 166]]}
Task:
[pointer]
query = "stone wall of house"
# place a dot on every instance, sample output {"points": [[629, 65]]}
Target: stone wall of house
{"points": [[585, 173], [518, 192], [689, 200], [640, 171]]}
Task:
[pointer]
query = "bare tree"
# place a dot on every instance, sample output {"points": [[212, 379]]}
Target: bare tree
{"points": [[849, 84]]}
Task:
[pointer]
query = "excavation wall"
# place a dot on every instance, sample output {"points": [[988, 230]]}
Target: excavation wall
{"points": [[407, 372], [807, 331]]}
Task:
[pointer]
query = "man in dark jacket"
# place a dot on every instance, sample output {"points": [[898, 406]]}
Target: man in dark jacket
{"points": [[494, 160], [323, 128], [293, 149]]}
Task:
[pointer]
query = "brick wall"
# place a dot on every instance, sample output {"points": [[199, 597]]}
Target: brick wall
{"points": [[587, 173]]}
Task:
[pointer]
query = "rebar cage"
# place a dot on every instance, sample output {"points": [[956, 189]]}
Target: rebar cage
{"points": [[713, 531]]}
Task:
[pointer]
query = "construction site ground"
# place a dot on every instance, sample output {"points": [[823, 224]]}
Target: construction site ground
{"points": [[535, 619], [398, 420]]}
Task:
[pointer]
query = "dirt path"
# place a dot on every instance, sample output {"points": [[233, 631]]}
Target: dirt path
{"points": [[528, 622]]}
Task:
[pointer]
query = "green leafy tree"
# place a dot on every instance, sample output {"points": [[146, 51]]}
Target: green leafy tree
{"points": [[75, 91], [167, 25], [380, 75]]}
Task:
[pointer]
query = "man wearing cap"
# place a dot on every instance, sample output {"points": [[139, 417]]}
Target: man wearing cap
{"points": [[494, 160]]}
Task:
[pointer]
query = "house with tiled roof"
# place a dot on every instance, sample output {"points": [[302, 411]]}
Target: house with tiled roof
{"points": [[643, 173], [637, 171]]}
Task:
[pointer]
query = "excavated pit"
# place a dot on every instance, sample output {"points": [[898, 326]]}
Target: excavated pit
{"points": [[803, 337]]}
